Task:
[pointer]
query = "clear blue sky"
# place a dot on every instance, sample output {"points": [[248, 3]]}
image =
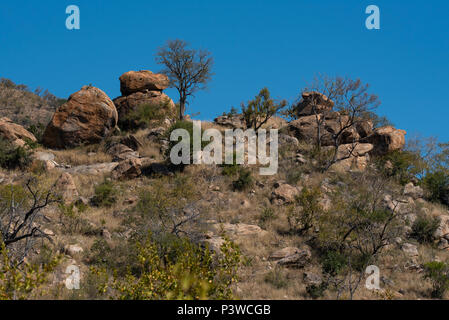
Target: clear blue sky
{"points": [[280, 44]]}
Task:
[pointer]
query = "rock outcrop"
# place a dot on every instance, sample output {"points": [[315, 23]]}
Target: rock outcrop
{"points": [[314, 102], [317, 119], [387, 139], [14, 133], [127, 169], [86, 118], [141, 81], [142, 88]]}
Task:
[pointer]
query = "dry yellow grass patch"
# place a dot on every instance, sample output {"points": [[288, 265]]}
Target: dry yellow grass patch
{"points": [[81, 156]]}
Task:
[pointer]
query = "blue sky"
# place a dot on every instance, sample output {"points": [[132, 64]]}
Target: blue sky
{"points": [[280, 44]]}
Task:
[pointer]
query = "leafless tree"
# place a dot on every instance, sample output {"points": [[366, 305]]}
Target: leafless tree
{"points": [[352, 103], [189, 70], [21, 218]]}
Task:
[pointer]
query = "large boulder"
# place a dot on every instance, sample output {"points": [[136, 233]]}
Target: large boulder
{"points": [[14, 133], [284, 193], [86, 118], [127, 104], [416, 192], [314, 102], [306, 128], [127, 169], [141, 81], [387, 139]]}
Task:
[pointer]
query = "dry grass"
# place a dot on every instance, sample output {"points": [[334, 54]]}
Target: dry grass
{"points": [[81, 156]]}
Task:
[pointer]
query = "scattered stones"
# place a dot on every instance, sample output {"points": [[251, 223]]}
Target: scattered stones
{"points": [[127, 169], [300, 158], [73, 250], [132, 142], [122, 152], [410, 249], [312, 279], [416, 192]]}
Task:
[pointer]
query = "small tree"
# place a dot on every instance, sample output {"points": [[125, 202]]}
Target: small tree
{"points": [[258, 111], [438, 274], [20, 217], [189, 70]]}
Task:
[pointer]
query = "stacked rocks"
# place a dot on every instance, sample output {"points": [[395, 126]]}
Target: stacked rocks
{"points": [[142, 88]]}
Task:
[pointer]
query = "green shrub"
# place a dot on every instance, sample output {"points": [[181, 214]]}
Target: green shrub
{"points": [[438, 274], [12, 157], [333, 262], [148, 114], [244, 181], [277, 278], [405, 165], [423, 229], [316, 291], [303, 216], [26, 280], [437, 185], [186, 272], [268, 214], [105, 194], [37, 130]]}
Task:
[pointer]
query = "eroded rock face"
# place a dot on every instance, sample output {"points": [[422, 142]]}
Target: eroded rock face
{"points": [[127, 169], [14, 133], [443, 228], [416, 192], [306, 128], [138, 81], [86, 118], [387, 139], [314, 102]]}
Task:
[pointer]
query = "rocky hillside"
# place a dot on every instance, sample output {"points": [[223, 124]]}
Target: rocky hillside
{"points": [[105, 198], [24, 107]]}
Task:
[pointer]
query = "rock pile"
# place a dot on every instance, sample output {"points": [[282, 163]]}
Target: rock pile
{"points": [[142, 88]]}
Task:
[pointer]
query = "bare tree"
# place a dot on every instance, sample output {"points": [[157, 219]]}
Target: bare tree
{"points": [[258, 111], [20, 218], [189, 70], [353, 105]]}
